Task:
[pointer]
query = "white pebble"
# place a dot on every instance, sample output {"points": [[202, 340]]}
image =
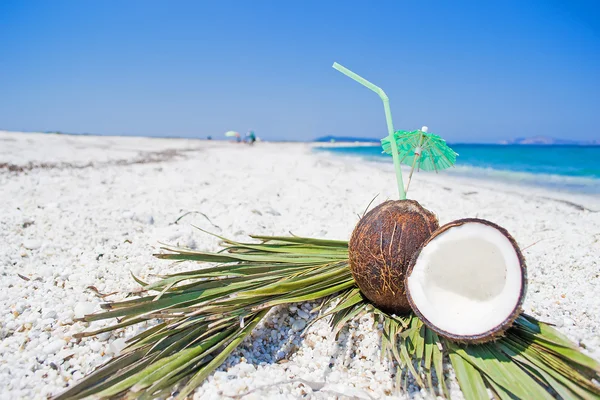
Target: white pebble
{"points": [[298, 325], [32, 244], [243, 369], [95, 346], [20, 307], [116, 346], [103, 336], [54, 346], [83, 309], [220, 376]]}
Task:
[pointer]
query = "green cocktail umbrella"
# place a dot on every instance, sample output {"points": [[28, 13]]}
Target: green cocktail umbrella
{"points": [[421, 150]]}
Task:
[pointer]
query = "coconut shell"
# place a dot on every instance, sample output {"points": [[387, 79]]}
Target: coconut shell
{"points": [[381, 248], [498, 331]]}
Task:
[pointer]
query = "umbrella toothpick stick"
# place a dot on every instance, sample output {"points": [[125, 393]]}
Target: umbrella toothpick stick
{"points": [[418, 152], [388, 118], [412, 169]]}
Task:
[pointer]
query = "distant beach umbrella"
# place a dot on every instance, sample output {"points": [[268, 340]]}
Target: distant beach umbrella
{"points": [[421, 150], [232, 134]]}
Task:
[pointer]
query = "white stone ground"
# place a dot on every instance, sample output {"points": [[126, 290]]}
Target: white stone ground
{"points": [[88, 211]]}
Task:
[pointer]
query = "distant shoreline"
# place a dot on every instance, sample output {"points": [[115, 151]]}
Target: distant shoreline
{"points": [[530, 141], [357, 142]]}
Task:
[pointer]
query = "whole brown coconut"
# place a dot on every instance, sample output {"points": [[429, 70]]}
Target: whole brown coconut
{"points": [[381, 248]]}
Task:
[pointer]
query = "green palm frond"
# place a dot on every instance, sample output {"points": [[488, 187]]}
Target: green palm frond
{"points": [[204, 314], [532, 360]]}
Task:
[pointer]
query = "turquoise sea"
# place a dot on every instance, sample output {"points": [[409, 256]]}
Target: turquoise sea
{"points": [[565, 168]]}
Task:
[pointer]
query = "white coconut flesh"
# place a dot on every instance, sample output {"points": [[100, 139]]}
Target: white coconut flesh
{"points": [[467, 281]]}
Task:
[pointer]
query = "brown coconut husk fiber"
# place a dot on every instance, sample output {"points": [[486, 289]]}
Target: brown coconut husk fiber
{"points": [[381, 248]]}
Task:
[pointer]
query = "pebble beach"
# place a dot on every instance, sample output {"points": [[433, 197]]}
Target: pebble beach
{"points": [[80, 214]]}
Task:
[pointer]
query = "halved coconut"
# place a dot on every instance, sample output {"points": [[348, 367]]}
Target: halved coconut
{"points": [[467, 282]]}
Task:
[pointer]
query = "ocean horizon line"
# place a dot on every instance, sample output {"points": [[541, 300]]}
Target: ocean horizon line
{"points": [[364, 141]]}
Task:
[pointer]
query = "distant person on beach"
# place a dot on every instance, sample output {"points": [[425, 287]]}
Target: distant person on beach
{"points": [[250, 137]]}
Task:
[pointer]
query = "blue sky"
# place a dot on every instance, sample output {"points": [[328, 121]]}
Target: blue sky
{"points": [[473, 71]]}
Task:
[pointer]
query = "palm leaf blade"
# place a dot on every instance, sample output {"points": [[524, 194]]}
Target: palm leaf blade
{"points": [[470, 380]]}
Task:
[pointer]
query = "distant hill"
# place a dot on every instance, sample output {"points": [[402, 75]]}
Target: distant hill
{"points": [[345, 139], [545, 140]]}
